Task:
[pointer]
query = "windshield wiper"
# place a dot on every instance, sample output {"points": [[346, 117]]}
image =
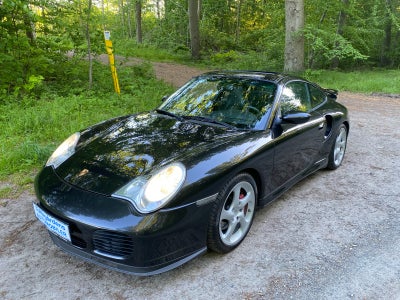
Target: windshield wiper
{"points": [[209, 120], [168, 113]]}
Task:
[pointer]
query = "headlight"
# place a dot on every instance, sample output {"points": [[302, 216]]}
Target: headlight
{"points": [[148, 196], [64, 151]]}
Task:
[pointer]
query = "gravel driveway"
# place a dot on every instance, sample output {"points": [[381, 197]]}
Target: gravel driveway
{"points": [[335, 235]]}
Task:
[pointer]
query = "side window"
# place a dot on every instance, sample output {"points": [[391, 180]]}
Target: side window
{"points": [[316, 96], [295, 98]]}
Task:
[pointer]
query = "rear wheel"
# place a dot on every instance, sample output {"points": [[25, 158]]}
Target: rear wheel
{"points": [[338, 148], [232, 214]]}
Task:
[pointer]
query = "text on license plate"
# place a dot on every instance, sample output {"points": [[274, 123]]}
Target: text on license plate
{"points": [[55, 226]]}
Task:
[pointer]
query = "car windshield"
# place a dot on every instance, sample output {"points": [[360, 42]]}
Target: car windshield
{"points": [[235, 101]]}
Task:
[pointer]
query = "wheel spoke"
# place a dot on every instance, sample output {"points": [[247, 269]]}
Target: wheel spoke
{"points": [[230, 231], [236, 197], [227, 215], [236, 234], [244, 220]]}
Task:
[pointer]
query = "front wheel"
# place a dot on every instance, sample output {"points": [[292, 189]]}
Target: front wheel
{"points": [[232, 214], [338, 149]]}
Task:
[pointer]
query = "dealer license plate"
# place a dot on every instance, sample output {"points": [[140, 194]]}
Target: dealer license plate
{"points": [[52, 224]]}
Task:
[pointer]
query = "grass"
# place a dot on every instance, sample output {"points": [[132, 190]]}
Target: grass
{"points": [[6, 192], [32, 128], [369, 81]]}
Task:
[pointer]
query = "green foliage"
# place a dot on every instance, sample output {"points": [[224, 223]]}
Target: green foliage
{"points": [[36, 37], [32, 128], [368, 36], [233, 60], [324, 46], [224, 57], [39, 38], [214, 41], [130, 48], [33, 82], [6, 192], [377, 81]]}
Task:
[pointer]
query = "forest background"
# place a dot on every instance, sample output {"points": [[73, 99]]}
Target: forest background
{"points": [[52, 84]]}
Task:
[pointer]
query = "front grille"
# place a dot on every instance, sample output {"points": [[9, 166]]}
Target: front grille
{"points": [[76, 241], [77, 238], [113, 244]]}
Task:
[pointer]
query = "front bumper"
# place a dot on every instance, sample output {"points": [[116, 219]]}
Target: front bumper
{"points": [[122, 267], [109, 232]]}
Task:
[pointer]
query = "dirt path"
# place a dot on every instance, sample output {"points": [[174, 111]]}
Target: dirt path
{"points": [[336, 235], [173, 73]]}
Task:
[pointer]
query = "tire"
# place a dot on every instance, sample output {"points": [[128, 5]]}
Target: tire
{"points": [[232, 214], [338, 148]]}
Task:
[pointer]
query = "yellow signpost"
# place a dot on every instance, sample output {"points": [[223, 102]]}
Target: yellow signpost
{"points": [[110, 53]]}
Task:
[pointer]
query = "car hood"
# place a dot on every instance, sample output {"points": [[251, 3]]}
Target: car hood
{"points": [[115, 152]]}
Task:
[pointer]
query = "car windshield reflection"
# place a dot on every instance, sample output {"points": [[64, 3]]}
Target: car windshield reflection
{"points": [[234, 101]]}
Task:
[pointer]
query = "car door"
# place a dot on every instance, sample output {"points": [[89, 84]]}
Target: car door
{"points": [[298, 133]]}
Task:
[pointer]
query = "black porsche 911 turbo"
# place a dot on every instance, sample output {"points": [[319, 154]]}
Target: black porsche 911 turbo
{"points": [[145, 193]]}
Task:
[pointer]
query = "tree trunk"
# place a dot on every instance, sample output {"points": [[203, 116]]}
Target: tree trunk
{"points": [[129, 18], [194, 28], [387, 40], [122, 15], [29, 27], [158, 8], [138, 11], [103, 15], [294, 39], [89, 46], [238, 16], [200, 3], [340, 30]]}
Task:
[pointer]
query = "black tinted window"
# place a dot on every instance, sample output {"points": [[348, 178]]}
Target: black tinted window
{"points": [[241, 102], [316, 96], [295, 98]]}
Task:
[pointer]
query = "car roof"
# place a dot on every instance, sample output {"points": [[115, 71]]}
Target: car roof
{"points": [[275, 77]]}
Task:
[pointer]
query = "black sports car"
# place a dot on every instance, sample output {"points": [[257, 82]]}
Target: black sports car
{"points": [[146, 193]]}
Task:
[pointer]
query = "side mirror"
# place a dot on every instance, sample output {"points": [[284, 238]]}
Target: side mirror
{"points": [[296, 118], [164, 98]]}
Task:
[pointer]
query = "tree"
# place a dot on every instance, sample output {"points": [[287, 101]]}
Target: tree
{"points": [[194, 28], [294, 38], [340, 30], [89, 44], [138, 14], [238, 16], [389, 22]]}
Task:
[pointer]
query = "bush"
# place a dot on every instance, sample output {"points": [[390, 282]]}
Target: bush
{"points": [[224, 57], [33, 127]]}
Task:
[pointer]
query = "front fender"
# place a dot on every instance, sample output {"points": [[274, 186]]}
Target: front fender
{"points": [[208, 172]]}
